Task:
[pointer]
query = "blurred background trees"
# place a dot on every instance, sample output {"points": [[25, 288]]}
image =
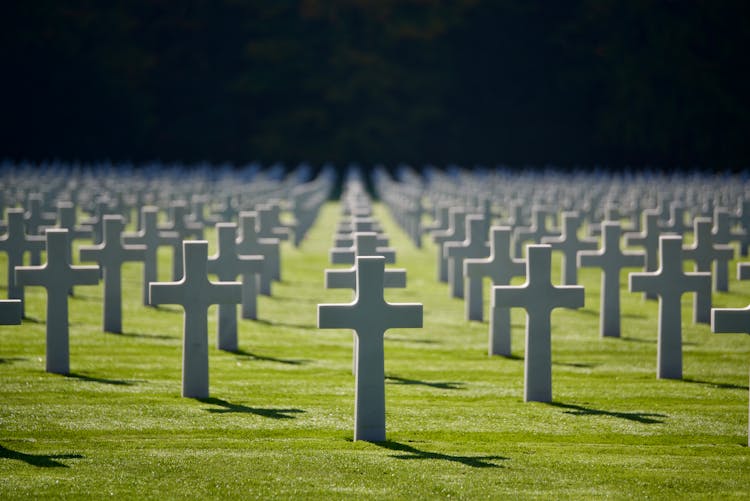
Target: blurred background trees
{"points": [[521, 82]]}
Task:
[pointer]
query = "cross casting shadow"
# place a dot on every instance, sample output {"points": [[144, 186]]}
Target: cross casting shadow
{"points": [[39, 460], [265, 358], [441, 385], [639, 417], [94, 379], [723, 386], [414, 453], [285, 324], [10, 360], [228, 407]]}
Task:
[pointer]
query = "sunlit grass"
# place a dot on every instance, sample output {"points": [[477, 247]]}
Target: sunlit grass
{"points": [[280, 418]]}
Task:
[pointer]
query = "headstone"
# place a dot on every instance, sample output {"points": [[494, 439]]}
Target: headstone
{"points": [[535, 232], [36, 219], [455, 233], [195, 293], [500, 267], [10, 311], [227, 264], [669, 283], [249, 244], [648, 239], [110, 255], [474, 246], [611, 259], [15, 243], [186, 228], [538, 297], [569, 244], [57, 276], [365, 244], [370, 316]]}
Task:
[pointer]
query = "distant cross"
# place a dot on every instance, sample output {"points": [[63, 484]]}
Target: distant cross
{"points": [[569, 244], [10, 311], [227, 264], [743, 217], [342, 240], [269, 224], [370, 316], [610, 259], [110, 255], [36, 219], [474, 246], [365, 244], [250, 244], [708, 255], [538, 297], [186, 228], [15, 243], [195, 293], [500, 267], [648, 239], [151, 237], [535, 232], [66, 218], [57, 276], [722, 230], [676, 223], [440, 222], [456, 232], [669, 283]]}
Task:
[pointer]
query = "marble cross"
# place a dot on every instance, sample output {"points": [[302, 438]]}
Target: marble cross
{"points": [[151, 237], [369, 315], [110, 255], [569, 244], [185, 227], [500, 267], [195, 293], [365, 244], [538, 297], [535, 232], [455, 233], [227, 264], [474, 246], [250, 244], [57, 276], [15, 243], [669, 283], [648, 239], [611, 259]]}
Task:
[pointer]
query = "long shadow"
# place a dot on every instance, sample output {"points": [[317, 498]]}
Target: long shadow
{"points": [[94, 379], [265, 358], [723, 386], [407, 340], [10, 360], [40, 460], [637, 340], [414, 453], [577, 365], [441, 385], [143, 336], [228, 407], [639, 417], [286, 324]]}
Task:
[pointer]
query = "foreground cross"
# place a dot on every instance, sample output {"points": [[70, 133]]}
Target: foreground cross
{"points": [[670, 282], [370, 316], [195, 293], [538, 297], [57, 276]]}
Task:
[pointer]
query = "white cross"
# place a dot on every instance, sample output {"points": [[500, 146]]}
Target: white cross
{"points": [[456, 232], [365, 244], [195, 293], [500, 267], [538, 297], [474, 246], [611, 259], [648, 239], [250, 244], [669, 283], [15, 243], [535, 232], [569, 244], [57, 276], [369, 315], [186, 228]]}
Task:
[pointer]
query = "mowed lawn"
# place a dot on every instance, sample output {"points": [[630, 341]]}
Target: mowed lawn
{"points": [[279, 423]]}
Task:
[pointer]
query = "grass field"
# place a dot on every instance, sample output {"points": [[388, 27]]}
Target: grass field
{"points": [[279, 423]]}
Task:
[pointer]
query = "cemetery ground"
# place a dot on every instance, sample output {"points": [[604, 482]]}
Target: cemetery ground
{"points": [[279, 419]]}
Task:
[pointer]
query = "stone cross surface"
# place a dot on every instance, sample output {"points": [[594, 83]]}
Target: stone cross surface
{"points": [[57, 276], [454, 233], [185, 227], [569, 244], [669, 283], [474, 246], [15, 243], [365, 244], [110, 255], [369, 315], [535, 232], [249, 244], [227, 264], [500, 267], [611, 259], [152, 238], [195, 293], [538, 297], [648, 239]]}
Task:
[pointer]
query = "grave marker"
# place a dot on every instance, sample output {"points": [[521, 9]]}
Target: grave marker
{"points": [[474, 246], [569, 244], [455, 233], [249, 244], [648, 239], [15, 243]]}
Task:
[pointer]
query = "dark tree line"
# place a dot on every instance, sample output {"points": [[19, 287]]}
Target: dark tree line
{"points": [[421, 81]]}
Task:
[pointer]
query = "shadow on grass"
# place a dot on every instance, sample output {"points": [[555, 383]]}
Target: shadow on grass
{"points": [[285, 324], [10, 360], [94, 379], [637, 340], [265, 358], [32, 320], [228, 407], [723, 386], [40, 460], [441, 385], [577, 365], [414, 453], [638, 417], [141, 335], [407, 340]]}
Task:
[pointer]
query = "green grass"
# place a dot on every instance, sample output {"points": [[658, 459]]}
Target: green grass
{"points": [[280, 418]]}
